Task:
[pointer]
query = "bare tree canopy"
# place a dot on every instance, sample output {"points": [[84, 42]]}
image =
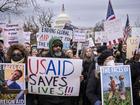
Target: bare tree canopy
{"points": [[16, 6], [45, 18], [99, 26]]}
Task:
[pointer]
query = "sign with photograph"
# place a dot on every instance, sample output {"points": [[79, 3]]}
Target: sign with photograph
{"points": [[116, 85], [12, 84]]}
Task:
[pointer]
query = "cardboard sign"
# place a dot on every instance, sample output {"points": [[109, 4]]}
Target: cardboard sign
{"points": [[113, 29], [116, 85], [79, 35], [132, 45], [46, 34], [54, 76], [12, 33]]}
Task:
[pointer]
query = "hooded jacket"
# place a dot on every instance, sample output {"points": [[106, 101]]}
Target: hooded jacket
{"points": [[54, 100], [52, 42]]}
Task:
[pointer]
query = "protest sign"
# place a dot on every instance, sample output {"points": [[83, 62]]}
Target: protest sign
{"points": [[88, 43], [101, 37], [12, 84], [132, 45], [54, 76], [113, 29], [79, 35], [47, 33], [12, 33], [116, 85]]}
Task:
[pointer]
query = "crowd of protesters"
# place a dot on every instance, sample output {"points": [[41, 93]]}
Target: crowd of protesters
{"points": [[90, 88]]}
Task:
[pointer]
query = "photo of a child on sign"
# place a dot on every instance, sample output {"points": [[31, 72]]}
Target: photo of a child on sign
{"points": [[116, 85]]}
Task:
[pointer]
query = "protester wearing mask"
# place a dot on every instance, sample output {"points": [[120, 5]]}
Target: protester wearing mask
{"points": [[93, 91], [17, 53]]}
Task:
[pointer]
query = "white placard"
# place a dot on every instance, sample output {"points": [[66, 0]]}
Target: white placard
{"points": [[54, 76], [46, 34]]}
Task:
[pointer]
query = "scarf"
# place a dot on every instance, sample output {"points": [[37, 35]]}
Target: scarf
{"points": [[21, 61]]}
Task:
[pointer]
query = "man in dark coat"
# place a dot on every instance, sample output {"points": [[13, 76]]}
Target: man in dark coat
{"points": [[93, 91], [55, 51], [2, 55], [2, 60]]}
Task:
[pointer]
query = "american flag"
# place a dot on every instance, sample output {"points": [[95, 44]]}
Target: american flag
{"points": [[127, 30], [110, 16], [110, 12]]}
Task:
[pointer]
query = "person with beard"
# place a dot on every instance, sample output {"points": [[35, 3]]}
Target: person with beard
{"points": [[55, 48], [55, 51], [93, 91]]}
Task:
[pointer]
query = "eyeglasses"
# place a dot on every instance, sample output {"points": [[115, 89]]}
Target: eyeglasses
{"points": [[16, 54]]}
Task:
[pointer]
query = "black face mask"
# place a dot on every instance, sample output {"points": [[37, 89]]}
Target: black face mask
{"points": [[17, 56]]}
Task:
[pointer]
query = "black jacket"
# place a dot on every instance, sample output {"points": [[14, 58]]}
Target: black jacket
{"points": [[135, 74], [93, 91], [2, 57]]}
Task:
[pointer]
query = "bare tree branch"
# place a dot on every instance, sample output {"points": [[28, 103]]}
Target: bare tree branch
{"points": [[45, 18]]}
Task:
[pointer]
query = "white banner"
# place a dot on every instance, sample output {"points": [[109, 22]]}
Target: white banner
{"points": [[101, 37], [88, 43], [113, 29], [12, 34], [79, 35], [54, 76], [132, 45], [46, 34]]}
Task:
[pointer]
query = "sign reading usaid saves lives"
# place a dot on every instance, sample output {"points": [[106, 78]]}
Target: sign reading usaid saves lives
{"points": [[54, 76]]}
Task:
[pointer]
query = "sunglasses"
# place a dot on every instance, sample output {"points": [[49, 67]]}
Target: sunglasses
{"points": [[16, 54]]}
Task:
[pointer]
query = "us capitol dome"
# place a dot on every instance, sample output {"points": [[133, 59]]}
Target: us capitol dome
{"points": [[62, 19]]}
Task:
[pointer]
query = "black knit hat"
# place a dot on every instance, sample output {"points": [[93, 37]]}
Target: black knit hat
{"points": [[100, 49], [57, 42], [105, 54]]}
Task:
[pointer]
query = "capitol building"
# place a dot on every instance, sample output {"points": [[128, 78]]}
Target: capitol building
{"points": [[62, 19]]}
